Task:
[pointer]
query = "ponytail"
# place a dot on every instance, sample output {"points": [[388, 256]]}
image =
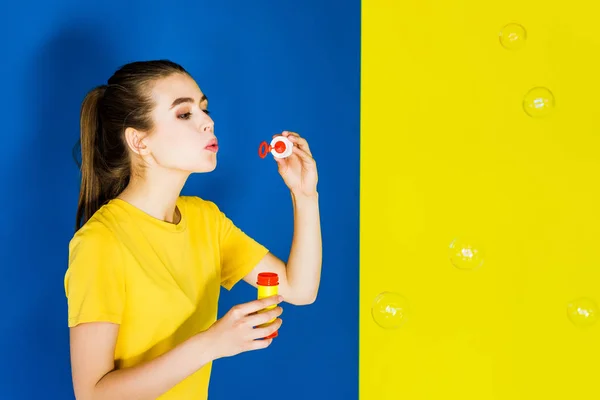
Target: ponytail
{"points": [[90, 193]]}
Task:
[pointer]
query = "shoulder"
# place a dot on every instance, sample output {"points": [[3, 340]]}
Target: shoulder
{"points": [[95, 254], [100, 228], [95, 258], [206, 214], [94, 238]]}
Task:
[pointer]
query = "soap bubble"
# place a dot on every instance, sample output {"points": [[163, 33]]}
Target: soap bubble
{"points": [[513, 36], [389, 310], [583, 312], [538, 102], [465, 254]]}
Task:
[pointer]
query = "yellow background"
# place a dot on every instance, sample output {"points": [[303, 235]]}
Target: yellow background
{"points": [[447, 151]]}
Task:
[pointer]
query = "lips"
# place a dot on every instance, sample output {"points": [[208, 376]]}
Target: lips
{"points": [[212, 146]]}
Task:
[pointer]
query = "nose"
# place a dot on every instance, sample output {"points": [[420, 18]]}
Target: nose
{"points": [[206, 123], [208, 127]]}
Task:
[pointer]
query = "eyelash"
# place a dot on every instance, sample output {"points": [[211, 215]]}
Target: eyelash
{"points": [[188, 114]]}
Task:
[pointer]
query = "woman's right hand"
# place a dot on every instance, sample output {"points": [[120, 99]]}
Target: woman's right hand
{"points": [[236, 333]]}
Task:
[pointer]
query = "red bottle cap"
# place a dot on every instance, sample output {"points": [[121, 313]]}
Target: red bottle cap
{"points": [[268, 279], [272, 335]]}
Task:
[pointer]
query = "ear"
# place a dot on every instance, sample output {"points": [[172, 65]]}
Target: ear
{"points": [[136, 141]]}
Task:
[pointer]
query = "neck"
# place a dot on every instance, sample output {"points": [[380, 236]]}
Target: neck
{"points": [[156, 193]]}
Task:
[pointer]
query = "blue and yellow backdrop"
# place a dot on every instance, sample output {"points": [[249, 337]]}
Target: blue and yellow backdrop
{"points": [[427, 133]]}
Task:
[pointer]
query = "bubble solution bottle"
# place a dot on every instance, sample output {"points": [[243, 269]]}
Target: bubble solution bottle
{"points": [[268, 285]]}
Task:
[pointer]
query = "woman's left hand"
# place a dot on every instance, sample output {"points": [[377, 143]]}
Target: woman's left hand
{"points": [[299, 170]]}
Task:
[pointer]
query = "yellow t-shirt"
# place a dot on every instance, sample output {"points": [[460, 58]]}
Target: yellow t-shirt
{"points": [[159, 281]]}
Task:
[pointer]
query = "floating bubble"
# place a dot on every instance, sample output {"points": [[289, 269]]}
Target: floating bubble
{"points": [[583, 312], [513, 36], [389, 310], [538, 102], [465, 254]]}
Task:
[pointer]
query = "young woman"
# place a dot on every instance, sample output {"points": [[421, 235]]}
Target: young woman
{"points": [[146, 264]]}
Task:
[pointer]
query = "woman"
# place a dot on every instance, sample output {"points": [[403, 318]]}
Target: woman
{"points": [[146, 264]]}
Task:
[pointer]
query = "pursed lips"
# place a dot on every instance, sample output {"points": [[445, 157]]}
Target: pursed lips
{"points": [[212, 146]]}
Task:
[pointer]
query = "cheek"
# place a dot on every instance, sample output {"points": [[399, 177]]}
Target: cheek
{"points": [[178, 147]]}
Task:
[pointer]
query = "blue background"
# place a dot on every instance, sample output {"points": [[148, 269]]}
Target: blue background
{"points": [[266, 66]]}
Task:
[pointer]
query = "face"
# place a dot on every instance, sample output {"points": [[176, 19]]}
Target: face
{"points": [[183, 136]]}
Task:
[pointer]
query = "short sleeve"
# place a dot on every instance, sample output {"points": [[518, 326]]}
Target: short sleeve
{"points": [[239, 252], [95, 279]]}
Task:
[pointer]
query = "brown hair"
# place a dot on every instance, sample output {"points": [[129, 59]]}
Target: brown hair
{"points": [[106, 112]]}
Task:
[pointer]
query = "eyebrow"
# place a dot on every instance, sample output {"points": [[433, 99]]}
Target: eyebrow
{"points": [[181, 100]]}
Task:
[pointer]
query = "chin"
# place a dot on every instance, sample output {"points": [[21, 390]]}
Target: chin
{"points": [[205, 167]]}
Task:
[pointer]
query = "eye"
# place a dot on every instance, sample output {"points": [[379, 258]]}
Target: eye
{"points": [[186, 115], [206, 112]]}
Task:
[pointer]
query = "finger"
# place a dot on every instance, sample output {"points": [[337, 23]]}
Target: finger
{"points": [[286, 134], [300, 142], [304, 156], [257, 305], [259, 344], [292, 136], [264, 317], [267, 330]]}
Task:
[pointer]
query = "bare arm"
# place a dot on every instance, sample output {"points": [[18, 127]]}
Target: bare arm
{"points": [[94, 377], [93, 349], [300, 278]]}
